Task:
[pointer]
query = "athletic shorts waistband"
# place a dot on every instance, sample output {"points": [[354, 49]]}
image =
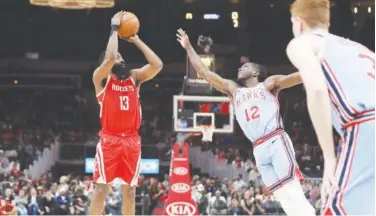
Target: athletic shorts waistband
{"points": [[119, 135], [268, 136]]}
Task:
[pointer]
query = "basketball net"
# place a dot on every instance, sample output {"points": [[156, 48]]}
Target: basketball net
{"points": [[207, 133]]}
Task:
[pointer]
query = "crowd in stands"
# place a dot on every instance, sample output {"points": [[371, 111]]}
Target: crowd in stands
{"points": [[228, 196], [29, 123]]}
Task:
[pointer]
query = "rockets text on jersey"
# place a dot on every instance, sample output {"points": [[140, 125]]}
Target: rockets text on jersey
{"points": [[257, 111], [120, 108]]}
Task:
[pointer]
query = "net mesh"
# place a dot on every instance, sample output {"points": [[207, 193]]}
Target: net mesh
{"points": [[207, 133]]}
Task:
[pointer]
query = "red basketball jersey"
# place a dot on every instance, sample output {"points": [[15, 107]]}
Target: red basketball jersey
{"points": [[120, 108]]}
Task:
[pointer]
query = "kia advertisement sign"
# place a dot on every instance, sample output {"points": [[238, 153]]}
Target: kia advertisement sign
{"points": [[180, 208], [180, 188], [147, 166], [180, 171], [179, 201]]}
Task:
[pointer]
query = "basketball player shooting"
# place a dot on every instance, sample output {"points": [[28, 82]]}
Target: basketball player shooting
{"points": [[257, 112], [331, 67], [118, 152]]}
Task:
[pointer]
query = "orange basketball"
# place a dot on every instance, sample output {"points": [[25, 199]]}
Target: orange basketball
{"points": [[129, 25]]}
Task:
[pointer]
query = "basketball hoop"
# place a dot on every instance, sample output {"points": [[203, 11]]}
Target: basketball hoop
{"points": [[207, 133], [74, 4]]}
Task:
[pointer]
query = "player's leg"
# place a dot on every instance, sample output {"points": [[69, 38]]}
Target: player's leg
{"points": [[263, 157], [355, 173], [129, 200], [104, 170], [98, 199], [288, 190], [129, 171]]}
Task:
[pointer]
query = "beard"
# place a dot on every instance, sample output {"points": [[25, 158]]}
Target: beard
{"points": [[120, 71]]}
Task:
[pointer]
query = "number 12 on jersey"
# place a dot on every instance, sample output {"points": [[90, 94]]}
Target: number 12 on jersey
{"points": [[252, 113], [124, 103]]}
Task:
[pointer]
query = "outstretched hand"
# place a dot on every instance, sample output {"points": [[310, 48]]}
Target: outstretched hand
{"points": [[183, 38]]}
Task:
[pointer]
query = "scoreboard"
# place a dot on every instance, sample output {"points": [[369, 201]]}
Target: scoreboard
{"points": [[194, 84]]}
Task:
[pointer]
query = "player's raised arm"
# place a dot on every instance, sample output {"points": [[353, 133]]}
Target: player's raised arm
{"points": [[110, 55], [302, 55], [223, 85], [279, 82], [154, 66]]}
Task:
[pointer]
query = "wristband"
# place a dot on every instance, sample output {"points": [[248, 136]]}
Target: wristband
{"points": [[114, 28]]}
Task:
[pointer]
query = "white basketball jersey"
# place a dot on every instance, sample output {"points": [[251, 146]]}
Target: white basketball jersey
{"points": [[349, 68], [257, 111]]}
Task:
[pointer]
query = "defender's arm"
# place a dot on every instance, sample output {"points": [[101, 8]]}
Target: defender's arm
{"points": [[302, 55], [150, 70], [223, 85]]}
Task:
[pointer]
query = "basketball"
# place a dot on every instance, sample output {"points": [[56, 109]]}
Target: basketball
{"points": [[129, 25]]}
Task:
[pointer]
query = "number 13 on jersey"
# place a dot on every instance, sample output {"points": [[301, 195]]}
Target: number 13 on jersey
{"points": [[252, 113], [124, 103]]}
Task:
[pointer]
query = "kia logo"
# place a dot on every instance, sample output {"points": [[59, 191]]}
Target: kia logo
{"points": [[180, 171], [180, 187], [180, 208]]}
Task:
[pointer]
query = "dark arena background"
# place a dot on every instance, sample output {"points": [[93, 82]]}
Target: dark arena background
{"points": [[49, 116]]}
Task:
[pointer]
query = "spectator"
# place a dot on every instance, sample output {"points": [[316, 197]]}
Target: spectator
{"points": [[218, 204], [247, 202], [49, 205], [255, 177], [63, 202], [78, 207], [239, 183], [203, 201], [154, 194], [257, 208], [234, 208], [113, 202], [196, 194], [33, 202], [21, 202], [238, 163], [3, 159]]}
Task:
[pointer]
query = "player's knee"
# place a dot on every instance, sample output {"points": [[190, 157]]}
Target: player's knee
{"points": [[128, 192], [129, 196], [101, 191]]}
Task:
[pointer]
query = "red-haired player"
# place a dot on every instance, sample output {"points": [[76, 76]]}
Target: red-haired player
{"points": [[330, 67]]}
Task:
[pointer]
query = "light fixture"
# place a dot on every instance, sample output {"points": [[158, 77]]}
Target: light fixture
{"points": [[235, 19], [74, 4], [188, 16], [211, 16], [355, 10], [104, 3], [40, 2], [369, 9]]}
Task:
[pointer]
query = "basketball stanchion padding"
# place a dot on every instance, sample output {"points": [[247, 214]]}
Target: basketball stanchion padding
{"points": [[179, 201]]}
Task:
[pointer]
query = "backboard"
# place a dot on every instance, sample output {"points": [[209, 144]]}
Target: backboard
{"points": [[189, 112]]}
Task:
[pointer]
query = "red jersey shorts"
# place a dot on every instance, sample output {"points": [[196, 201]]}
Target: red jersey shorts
{"points": [[117, 158]]}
